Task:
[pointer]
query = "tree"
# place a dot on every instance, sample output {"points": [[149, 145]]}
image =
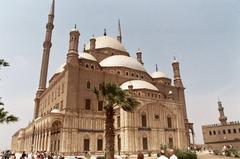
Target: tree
{"points": [[113, 97], [4, 115]]}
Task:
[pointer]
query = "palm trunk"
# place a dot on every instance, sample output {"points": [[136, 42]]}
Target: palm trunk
{"points": [[110, 133]]}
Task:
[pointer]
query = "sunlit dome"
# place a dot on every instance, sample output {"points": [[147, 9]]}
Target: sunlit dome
{"points": [[122, 61], [55, 111], [159, 74], [138, 84], [87, 56], [107, 42]]}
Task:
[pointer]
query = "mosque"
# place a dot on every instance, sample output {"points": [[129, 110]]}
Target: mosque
{"points": [[68, 118]]}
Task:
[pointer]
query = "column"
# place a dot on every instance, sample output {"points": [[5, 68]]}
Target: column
{"points": [[49, 141]]}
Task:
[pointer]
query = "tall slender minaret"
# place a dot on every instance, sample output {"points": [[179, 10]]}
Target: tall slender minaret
{"points": [[119, 37], [46, 50], [47, 44], [222, 118], [176, 72]]}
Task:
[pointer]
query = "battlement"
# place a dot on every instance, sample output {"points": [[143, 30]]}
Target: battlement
{"points": [[219, 124]]}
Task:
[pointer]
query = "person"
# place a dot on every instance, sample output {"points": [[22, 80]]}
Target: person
{"points": [[140, 155], [162, 155], [172, 155]]}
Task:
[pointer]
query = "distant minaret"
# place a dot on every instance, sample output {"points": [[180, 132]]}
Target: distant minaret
{"points": [[222, 118], [45, 59], [139, 56], [176, 72], [119, 37], [46, 50]]}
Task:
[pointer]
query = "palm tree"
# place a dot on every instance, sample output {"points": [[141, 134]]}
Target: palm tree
{"points": [[113, 97], [4, 115]]}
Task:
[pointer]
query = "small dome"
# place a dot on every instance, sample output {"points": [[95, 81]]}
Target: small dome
{"points": [[107, 42], [82, 55], [87, 56], [159, 74], [122, 61], [55, 111], [138, 84]]}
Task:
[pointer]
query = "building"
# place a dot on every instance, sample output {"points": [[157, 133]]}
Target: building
{"points": [[216, 136], [68, 118]]}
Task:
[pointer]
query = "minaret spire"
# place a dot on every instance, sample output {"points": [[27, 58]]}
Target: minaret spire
{"points": [[156, 68], [46, 49], [119, 37], [222, 118], [47, 44]]}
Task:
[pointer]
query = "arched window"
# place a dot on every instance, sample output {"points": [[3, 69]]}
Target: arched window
{"points": [[169, 122], [224, 131], [234, 131], [214, 132], [145, 143], [144, 120], [210, 133], [88, 85]]}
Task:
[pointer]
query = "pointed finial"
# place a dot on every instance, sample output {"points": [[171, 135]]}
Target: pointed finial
{"points": [[105, 32], [84, 47], [52, 8], [156, 68], [174, 60], [119, 37], [75, 26], [219, 99]]}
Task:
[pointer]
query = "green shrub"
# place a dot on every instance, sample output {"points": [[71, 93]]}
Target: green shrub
{"points": [[185, 154]]}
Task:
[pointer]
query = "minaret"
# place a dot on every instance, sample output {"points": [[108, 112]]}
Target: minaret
{"points": [[72, 55], [176, 72], [156, 68], [46, 50], [222, 118], [92, 45], [119, 37], [45, 59], [139, 56], [181, 96]]}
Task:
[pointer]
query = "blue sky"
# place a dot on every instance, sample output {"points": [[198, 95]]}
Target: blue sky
{"points": [[204, 35]]}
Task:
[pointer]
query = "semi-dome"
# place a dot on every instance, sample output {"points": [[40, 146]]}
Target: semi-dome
{"points": [[159, 74], [122, 61], [82, 55], [138, 84], [87, 56], [107, 42]]}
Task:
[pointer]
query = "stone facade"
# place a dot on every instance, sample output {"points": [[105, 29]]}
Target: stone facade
{"points": [[69, 120], [224, 133]]}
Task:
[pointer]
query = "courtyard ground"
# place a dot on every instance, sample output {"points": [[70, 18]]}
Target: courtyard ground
{"points": [[206, 155]]}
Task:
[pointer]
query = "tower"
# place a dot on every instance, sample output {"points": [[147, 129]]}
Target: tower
{"points": [[119, 37], [73, 71], [47, 44], [222, 117], [181, 97], [139, 56], [176, 72], [72, 55]]}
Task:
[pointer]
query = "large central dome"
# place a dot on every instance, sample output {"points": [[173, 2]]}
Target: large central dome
{"points": [[122, 61], [107, 42]]}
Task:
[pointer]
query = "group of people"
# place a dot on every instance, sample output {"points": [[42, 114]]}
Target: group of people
{"points": [[39, 155], [162, 155]]}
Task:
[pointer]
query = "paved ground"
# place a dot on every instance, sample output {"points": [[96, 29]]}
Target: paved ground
{"points": [[206, 155]]}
